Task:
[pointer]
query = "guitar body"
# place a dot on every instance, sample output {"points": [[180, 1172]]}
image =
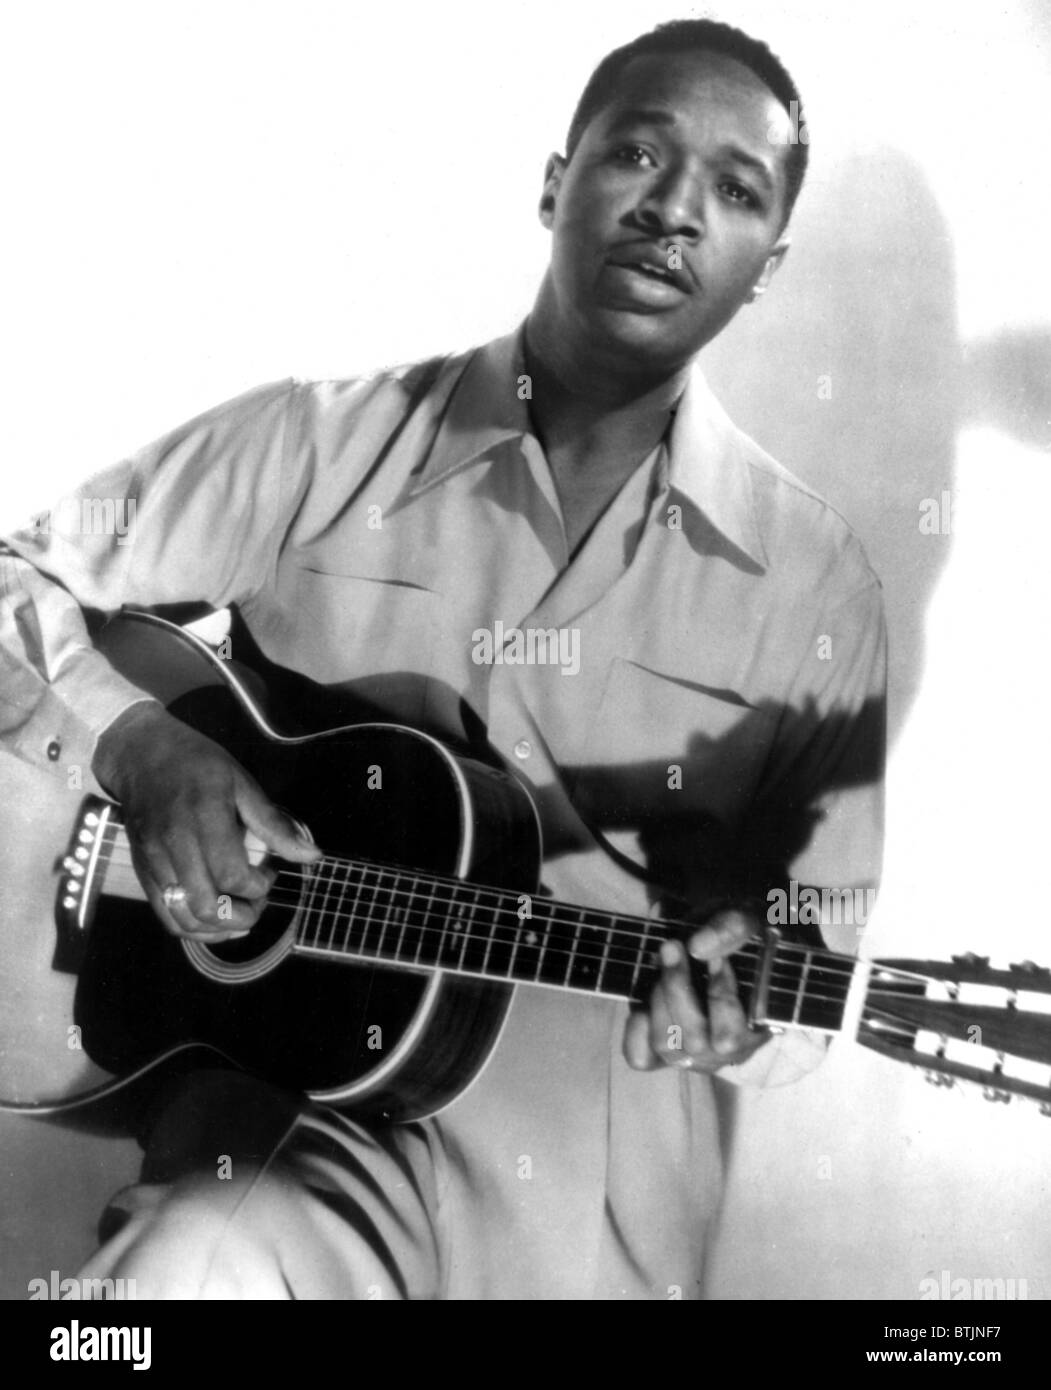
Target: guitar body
{"points": [[390, 1042]]}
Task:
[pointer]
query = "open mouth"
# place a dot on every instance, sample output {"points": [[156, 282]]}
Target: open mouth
{"points": [[650, 270], [654, 272]]}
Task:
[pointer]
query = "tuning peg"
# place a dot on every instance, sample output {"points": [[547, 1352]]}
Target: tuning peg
{"points": [[1045, 1108], [1030, 967], [969, 958], [937, 1078], [995, 1095]]}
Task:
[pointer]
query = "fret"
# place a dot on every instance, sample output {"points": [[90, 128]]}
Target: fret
{"points": [[573, 948], [585, 968], [487, 938], [414, 934], [603, 965], [556, 933], [525, 953], [801, 989], [404, 914], [325, 867], [386, 913], [354, 907], [643, 951], [339, 920], [503, 939], [454, 940], [442, 904], [619, 966], [308, 903], [477, 943], [369, 922], [805, 994]]}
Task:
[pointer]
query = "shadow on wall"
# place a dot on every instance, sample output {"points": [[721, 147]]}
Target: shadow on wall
{"points": [[1008, 384], [850, 372]]}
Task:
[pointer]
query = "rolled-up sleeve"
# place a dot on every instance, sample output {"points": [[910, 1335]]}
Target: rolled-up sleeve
{"points": [[195, 516]]}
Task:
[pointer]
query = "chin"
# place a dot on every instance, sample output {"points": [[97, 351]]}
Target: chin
{"points": [[645, 338]]}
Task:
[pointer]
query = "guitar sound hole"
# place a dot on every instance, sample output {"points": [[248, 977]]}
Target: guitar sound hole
{"points": [[266, 933]]}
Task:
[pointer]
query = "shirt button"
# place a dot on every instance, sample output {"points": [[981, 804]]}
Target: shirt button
{"points": [[523, 748], [54, 748]]}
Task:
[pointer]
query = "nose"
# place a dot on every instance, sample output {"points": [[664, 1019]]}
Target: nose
{"points": [[673, 206]]}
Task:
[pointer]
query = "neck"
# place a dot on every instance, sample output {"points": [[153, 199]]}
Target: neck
{"points": [[586, 407]]}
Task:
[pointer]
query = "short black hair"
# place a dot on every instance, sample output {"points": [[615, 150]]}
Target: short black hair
{"points": [[700, 36]]}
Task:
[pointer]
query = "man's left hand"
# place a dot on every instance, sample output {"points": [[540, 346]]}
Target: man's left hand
{"points": [[676, 1029]]}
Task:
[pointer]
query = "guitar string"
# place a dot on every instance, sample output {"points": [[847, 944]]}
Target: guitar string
{"points": [[547, 951], [745, 970], [330, 872], [324, 874], [819, 961], [828, 962]]}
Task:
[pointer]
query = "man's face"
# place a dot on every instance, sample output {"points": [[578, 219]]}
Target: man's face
{"points": [[669, 213]]}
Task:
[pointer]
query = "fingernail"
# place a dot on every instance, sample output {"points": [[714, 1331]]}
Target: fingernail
{"points": [[671, 953]]}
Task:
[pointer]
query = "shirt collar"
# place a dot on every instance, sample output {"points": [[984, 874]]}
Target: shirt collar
{"points": [[484, 410], [706, 460]]}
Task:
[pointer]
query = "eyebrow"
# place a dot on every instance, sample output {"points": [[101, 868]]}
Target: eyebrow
{"points": [[751, 161], [661, 116]]}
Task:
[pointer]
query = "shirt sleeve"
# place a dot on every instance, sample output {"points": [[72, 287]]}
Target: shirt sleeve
{"points": [[195, 516]]}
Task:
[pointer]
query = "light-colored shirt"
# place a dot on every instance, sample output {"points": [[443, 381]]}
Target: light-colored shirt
{"points": [[696, 701]]}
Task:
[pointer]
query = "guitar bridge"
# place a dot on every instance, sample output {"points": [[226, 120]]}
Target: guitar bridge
{"points": [[78, 884]]}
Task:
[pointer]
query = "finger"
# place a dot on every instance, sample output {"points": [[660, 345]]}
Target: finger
{"points": [[725, 933], [273, 827], [728, 1028], [637, 1050], [679, 1031], [226, 856], [235, 920], [156, 873], [204, 914]]}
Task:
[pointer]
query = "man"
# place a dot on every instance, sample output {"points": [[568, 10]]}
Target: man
{"points": [[718, 733]]}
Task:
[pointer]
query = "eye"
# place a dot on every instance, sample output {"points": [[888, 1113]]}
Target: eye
{"points": [[632, 154], [738, 193]]}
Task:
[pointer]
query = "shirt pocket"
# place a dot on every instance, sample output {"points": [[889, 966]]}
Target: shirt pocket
{"points": [[371, 635]]}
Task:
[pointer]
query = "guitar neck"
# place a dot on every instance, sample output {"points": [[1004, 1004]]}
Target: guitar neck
{"points": [[348, 909]]}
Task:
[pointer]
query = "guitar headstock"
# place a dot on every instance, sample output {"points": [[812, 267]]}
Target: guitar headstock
{"points": [[964, 1020]]}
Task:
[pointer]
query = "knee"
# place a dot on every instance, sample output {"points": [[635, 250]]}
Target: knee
{"points": [[189, 1243]]}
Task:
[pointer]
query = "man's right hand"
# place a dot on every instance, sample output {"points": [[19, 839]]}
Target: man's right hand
{"points": [[186, 806]]}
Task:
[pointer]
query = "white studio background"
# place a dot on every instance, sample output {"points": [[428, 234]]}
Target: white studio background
{"points": [[204, 196]]}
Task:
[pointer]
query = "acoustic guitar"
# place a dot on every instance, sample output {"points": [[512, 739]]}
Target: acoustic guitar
{"points": [[378, 978]]}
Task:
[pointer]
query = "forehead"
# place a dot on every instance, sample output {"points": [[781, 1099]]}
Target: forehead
{"points": [[704, 95]]}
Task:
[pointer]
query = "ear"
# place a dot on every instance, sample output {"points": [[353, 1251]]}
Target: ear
{"points": [[553, 171], [776, 256]]}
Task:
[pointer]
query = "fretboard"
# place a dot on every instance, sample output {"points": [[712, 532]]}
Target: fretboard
{"points": [[366, 911]]}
